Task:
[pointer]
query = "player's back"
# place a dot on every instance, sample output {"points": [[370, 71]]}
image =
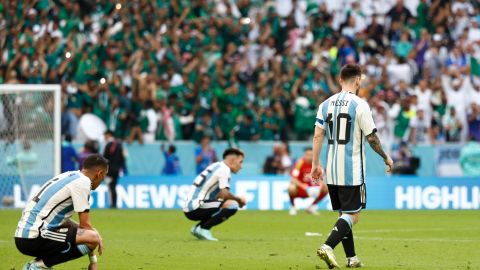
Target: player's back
{"points": [[54, 203], [207, 185], [347, 119]]}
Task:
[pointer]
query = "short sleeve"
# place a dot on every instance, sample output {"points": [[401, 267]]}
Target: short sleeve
{"points": [[296, 169], [80, 193], [320, 120], [223, 179], [366, 120]]}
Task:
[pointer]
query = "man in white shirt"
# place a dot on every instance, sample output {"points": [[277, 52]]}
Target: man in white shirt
{"points": [[46, 231]]}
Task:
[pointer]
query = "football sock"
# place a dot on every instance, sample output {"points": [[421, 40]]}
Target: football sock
{"points": [[340, 230], [320, 197], [219, 217], [349, 245]]}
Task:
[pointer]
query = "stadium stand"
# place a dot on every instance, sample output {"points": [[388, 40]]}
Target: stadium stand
{"points": [[248, 70]]}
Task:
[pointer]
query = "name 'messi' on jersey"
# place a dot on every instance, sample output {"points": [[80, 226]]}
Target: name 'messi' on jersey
{"points": [[346, 119]]}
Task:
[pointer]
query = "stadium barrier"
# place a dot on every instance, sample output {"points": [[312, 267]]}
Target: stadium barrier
{"points": [[270, 193], [441, 160]]}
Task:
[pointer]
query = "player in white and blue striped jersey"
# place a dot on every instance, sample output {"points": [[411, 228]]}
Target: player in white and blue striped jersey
{"points": [[345, 119], [209, 199], [46, 231]]}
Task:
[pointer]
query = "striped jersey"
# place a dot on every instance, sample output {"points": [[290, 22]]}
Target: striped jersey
{"points": [[346, 119], [207, 185], [54, 204]]}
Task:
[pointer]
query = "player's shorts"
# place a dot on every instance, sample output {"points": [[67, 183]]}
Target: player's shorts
{"points": [[312, 191], [205, 211], [52, 245], [348, 199]]}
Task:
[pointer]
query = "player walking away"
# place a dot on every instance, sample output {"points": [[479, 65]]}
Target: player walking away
{"points": [[301, 185], [210, 200], [345, 119], [46, 231]]}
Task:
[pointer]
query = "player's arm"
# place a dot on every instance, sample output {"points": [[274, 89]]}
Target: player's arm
{"points": [[368, 127], [85, 224], [374, 142], [296, 173], [319, 135], [225, 194]]}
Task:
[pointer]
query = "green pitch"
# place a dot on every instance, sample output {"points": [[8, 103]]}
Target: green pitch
{"points": [[271, 240]]}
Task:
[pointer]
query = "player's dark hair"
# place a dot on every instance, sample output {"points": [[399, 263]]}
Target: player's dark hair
{"points": [[108, 132], [350, 71], [307, 149], [172, 149], [233, 151], [95, 161]]}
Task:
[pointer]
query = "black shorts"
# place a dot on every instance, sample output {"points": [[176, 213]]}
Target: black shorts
{"points": [[51, 246], [348, 199], [205, 211]]}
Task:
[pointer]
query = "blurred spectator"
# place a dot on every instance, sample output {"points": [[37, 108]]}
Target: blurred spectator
{"points": [[172, 162], [273, 163], [25, 160], [399, 13], [69, 155], [452, 125], [285, 159], [247, 129], [205, 127], [113, 152], [474, 122], [204, 154], [470, 158], [89, 147], [420, 129], [405, 162], [147, 80]]}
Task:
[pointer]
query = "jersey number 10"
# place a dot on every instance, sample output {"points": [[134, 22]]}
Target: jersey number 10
{"points": [[343, 123]]}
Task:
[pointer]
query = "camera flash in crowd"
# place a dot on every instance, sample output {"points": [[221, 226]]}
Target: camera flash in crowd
{"points": [[118, 6], [68, 55], [103, 81]]}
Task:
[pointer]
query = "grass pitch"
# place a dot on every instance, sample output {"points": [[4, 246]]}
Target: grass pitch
{"points": [[152, 239]]}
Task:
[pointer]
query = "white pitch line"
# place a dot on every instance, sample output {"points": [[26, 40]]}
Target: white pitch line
{"points": [[415, 239]]}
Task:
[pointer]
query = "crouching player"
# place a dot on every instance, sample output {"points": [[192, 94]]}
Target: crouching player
{"points": [[210, 201], [301, 185], [46, 231]]}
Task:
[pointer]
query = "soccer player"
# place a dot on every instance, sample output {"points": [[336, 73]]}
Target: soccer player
{"points": [[301, 185], [345, 119], [210, 200], [46, 231]]}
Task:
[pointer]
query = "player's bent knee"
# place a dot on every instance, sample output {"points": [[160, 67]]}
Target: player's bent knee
{"points": [[292, 189], [89, 238], [231, 204]]}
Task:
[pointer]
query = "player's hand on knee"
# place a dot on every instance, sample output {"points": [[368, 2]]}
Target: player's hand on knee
{"points": [[243, 201], [90, 238]]}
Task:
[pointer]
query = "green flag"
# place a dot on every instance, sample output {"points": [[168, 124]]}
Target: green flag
{"points": [[474, 66]]}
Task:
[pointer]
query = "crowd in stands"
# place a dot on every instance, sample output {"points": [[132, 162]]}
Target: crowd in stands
{"points": [[248, 69]]}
